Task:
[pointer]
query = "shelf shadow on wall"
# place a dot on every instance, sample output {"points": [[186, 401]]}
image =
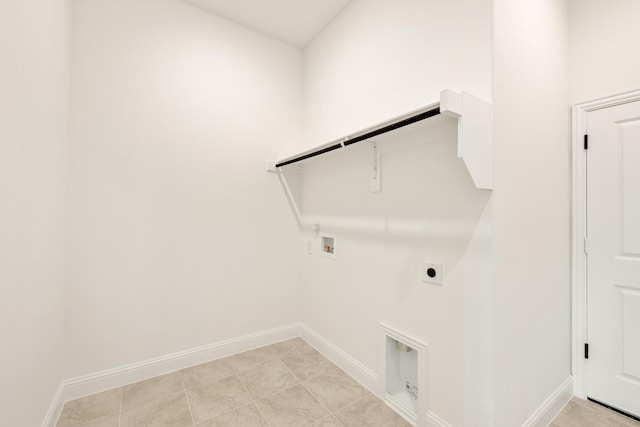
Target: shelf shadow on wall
{"points": [[428, 200]]}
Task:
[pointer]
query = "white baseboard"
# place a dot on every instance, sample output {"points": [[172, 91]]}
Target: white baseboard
{"points": [[117, 377], [351, 366], [410, 417], [435, 421], [430, 420], [359, 372], [551, 407], [55, 408]]}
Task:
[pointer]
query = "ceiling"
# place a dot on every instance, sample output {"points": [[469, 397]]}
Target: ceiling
{"points": [[295, 22]]}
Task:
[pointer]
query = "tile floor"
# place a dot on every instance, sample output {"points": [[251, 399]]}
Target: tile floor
{"points": [[288, 384], [582, 413]]}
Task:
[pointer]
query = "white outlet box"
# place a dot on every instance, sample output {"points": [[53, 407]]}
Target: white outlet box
{"points": [[432, 272], [327, 245]]}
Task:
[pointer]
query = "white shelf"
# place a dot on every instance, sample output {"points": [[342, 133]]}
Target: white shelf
{"points": [[475, 136], [475, 133]]}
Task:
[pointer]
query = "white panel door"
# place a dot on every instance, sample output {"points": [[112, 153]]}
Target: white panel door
{"points": [[613, 260]]}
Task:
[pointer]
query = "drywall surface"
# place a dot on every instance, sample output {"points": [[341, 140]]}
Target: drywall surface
{"points": [[379, 59], [604, 46], [178, 236], [428, 209], [34, 83], [531, 298]]}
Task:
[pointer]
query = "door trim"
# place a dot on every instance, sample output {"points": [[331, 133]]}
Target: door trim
{"points": [[578, 258]]}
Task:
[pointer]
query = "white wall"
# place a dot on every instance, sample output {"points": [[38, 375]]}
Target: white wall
{"points": [[34, 47], [428, 209], [382, 58], [531, 205], [605, 41], [377, 60], [178, 236]]}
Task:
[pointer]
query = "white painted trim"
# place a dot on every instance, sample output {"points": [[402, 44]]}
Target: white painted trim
{"points": [[351, 366], [401, 336], [105, 380], [361, 373], [117, 377], [551, 407], [430, 419], [409, 416], [578, 257], [579, 330], [51, 419], [435, 421], [424, 417]]}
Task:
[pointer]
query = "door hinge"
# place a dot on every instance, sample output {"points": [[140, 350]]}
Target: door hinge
{"points": [[586, 350], [586, 141], [586, 245]]}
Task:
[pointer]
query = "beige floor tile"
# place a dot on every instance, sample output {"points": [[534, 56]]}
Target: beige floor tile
{"points": [[246, 416], [582, 413], [206, 373], [219, 394], [289, 347], [308, 365], [252, 359], [370, 412], [108, 421], [292, 407], [329, 421], [101, 407], [336, 389], [169, 410], [147, 391], [268, 379], [216, 399]]}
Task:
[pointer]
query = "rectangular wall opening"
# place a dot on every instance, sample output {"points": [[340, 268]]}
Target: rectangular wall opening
{"points": [[404, 374]]}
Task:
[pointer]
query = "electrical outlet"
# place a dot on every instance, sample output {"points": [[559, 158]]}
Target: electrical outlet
{"points": [[432, 272]]}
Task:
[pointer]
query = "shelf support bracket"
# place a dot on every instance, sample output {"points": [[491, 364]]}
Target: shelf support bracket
{"points": [[475, 133]]}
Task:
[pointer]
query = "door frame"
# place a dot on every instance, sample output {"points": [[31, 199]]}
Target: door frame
{"points": [[579, 233]]}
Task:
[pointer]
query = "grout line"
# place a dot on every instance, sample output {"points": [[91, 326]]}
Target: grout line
{"points": [[217, 381], [261, 414], [284, 389], [320, 402], [331, 413], [353, 403], [367, 394], [253, 401], [290, 371], [186, 396], [309, 391], [367, 391]]}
